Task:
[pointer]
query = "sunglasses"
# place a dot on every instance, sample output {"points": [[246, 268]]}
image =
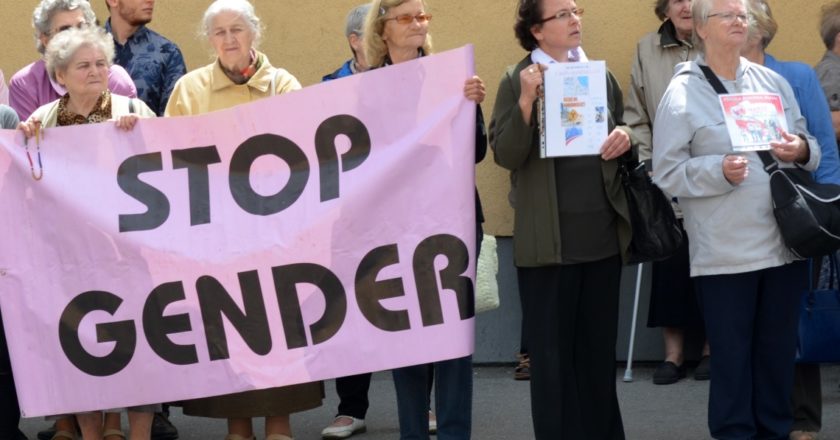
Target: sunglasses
{"points": [[408, 18], [61, 29]]}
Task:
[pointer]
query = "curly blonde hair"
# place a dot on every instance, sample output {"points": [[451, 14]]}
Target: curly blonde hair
{"points": [[375, 47]]}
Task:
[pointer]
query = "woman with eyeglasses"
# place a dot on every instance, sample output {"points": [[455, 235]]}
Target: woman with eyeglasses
{"points": [[571, 233], [747, 280], [397, 31], [31, 87]]}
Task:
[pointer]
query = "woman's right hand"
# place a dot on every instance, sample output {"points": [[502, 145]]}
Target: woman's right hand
{"points": [[531, 81], [735, 168], [30, 127]]}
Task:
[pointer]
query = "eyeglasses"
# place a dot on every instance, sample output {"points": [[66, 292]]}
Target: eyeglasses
{"points": [[61, 29], [563, 15], [730, 17], [408, 18]]}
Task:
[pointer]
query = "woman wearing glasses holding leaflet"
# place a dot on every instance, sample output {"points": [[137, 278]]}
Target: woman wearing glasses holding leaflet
{"points": [[571, 231], [396, 31], [746, 279]]}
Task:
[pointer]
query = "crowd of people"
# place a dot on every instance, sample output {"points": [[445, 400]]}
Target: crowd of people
{"points": [[733, 279]]}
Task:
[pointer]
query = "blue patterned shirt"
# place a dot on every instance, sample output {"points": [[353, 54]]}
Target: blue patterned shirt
{"points": [[153, 62]]}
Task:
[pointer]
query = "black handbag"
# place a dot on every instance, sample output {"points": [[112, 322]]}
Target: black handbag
{"points": [[819, 321], [656, 233], [807, 212]]}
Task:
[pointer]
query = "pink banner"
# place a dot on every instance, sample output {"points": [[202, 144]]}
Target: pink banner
{"points": [[322, 233]]}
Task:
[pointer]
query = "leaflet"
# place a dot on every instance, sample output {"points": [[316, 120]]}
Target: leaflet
{"points": [[753, 120], [573, 112]]}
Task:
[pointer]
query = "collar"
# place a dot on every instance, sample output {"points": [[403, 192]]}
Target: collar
{"points": [[387, 60], [829, 54], [575, 55], [668, 36], [142, 33], [261, 80], [743, 65]]}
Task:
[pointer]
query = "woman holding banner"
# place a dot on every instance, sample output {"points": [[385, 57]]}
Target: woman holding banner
{"points": [[79, 61], [396, 31], [239, 75], [571, 233]]}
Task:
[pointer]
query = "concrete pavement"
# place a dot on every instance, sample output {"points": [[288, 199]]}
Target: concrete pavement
{"points": [[502, 409]]}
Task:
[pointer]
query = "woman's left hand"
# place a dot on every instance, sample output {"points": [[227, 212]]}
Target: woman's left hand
{"points": [[474, 90], [127, 122], [791, 148], [617, 143]]}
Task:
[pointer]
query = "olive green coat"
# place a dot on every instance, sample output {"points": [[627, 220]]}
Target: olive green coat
{"points": [[536, 231]]}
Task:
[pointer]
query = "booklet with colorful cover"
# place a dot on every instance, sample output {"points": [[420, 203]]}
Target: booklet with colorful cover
{"points": [[573, 111], [753, 119]]}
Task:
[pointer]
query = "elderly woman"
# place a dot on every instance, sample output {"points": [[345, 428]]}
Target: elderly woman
{"points": [[239, 75], [828, 68], [745, 277], [32, 86], [396, 31], [571, 231], [807, 393], [673, 304], [78, 60]]}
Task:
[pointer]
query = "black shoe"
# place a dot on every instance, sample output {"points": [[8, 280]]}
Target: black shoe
{"points": [[47, 434], [162, 428], [702, 372], [21, 436], [667, 373]]}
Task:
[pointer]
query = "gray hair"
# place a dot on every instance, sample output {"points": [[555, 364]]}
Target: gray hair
{"points": [[243, 8], [700, 11], [64, 46], [46, 10], [356, 20]]}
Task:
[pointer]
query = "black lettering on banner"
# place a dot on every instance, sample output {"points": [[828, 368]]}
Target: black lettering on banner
{"points": [[252, 325], [451, 277], [359, 150], [196, 161], [369, 291], [121, 332], [156, 202], [158, 327], [286, 279], [240, 179]]}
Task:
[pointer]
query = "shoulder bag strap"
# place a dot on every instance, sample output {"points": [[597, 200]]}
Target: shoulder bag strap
{"points": [[769, 163]]}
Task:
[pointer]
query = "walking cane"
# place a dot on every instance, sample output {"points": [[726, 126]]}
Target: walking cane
{"points": [[628, 372]]}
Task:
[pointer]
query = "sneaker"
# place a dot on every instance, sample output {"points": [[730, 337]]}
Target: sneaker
{"points": [[162, 428], [523, 369], [47, 434], [432, 423], [667, 373], [702, 372], [343, 427]]}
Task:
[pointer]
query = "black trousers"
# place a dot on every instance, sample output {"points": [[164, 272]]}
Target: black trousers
{"points": [[353, 395], [806, 399], [571, 314], [9, 409]]}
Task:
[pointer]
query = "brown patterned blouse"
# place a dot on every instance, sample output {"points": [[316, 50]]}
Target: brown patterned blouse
{"points": [[101, 111]]}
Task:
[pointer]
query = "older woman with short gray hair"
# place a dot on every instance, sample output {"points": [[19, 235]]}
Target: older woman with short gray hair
{"points": [[78, 59], [240, 74], [745, 276], [31, 86]]}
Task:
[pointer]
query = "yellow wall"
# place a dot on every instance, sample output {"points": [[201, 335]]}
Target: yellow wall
{"points": [[306, 37]]}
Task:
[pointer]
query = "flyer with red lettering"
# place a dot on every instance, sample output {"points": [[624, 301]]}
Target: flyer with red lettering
{"points": [[753, 120]]}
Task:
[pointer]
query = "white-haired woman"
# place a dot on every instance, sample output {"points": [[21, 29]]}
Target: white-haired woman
{"points": [[79, 60], [746, 279], [240, 74], [396, 31], [32, 86]]}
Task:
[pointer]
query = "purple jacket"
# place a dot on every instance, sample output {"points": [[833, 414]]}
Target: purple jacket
{"points": [[31, 87]]}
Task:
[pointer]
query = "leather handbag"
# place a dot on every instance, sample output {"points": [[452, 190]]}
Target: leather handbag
{"points": [[807, 212], [819, 321], [656, 233]]}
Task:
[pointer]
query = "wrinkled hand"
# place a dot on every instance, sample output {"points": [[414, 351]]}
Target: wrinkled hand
{"points": [[617, 143], [791, 148], [30, 127], [126, 122], [531, 79], [735, 168], [474, 90]]}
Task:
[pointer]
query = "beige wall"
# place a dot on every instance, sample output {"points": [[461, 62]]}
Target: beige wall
{"points": [[306, 37]]}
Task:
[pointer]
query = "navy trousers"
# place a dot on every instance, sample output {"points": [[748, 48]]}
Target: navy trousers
{"points": [[751, 323]]}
